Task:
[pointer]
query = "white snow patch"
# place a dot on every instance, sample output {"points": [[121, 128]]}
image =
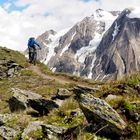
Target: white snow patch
{"points": [[95, 42], [84, 51], [54, 69], [135, 13], [105, 77], [67, 46], [92, 65], [97, 77], [81, 54], [53, 44], [45, 44], [51, 48], [64, 49], [101, 16], [116, 30], [105, 17]]}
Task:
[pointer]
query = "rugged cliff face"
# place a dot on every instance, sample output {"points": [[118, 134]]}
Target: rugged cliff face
{"points": [[118, 52], [66, 51], [100, 47], [45, 39]]}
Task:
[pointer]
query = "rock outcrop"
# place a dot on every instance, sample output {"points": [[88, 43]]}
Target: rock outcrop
{"points": [[4, 118], [43, 106], [99, 113], [34, 128], [9, 69], [62, 94], [7, 133], [47, 131], [57, 132], [19, 100], [84, 89], [23, 99]]}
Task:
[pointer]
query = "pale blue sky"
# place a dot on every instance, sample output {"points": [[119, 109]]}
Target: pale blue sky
{"points": [[21, 19], [10, 5], [13, 7]]}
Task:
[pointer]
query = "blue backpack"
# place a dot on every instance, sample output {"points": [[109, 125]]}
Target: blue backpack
{"points": [[31, 42]]}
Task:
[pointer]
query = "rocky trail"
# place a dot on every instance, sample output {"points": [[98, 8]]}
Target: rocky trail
{"points": [[37, 70], [61, 79]]}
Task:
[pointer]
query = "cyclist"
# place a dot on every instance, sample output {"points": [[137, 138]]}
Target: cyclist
{"points": [[32, 46]]}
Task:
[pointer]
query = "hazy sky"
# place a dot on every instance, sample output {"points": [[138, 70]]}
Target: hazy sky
{"points": [[20, 19]]}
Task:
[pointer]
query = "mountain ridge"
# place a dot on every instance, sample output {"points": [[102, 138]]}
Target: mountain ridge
{"points": [[77, 43], [77, 50]]}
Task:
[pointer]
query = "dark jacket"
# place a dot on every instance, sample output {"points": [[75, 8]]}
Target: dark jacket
{"points": [[32, 43]]}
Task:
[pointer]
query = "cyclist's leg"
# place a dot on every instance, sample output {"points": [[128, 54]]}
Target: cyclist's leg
{"points": [[34, 56], [30, 55]]}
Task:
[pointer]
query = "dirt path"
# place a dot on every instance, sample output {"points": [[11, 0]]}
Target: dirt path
{"points": [[37, 70], [61, 79]]}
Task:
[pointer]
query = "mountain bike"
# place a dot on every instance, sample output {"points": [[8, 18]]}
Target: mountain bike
{"points": [[32, 55], [33, 58]]}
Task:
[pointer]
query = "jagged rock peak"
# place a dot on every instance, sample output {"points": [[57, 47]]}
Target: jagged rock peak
{"points": [[46, 35], [115, 13], [133, 12], [50, 32], [99, 12], [103, 14]]}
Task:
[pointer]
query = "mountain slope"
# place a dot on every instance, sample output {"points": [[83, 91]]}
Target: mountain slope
{"points": [[118, 52], [101, 47], [37, 104], [68, 50]]}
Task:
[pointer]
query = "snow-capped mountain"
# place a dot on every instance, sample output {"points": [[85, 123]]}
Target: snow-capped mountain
{"points": [[119, 49], [67, 50], [102, 46]]}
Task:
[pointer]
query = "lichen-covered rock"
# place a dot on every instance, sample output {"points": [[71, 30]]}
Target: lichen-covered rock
{"points": [[43, 106], [39, 130], [4, 118], [98, 112], [84, 89], [34, 129], [111, 97], [9, 68], [57, 132], [19, 100], [7, 133], [62, 94]]}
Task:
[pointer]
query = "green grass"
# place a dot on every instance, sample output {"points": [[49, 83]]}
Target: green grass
{"points": [[131, 80], [35, 135], [69, 105], [59, 116], [71, 78], [29, 80], [7, 54]]}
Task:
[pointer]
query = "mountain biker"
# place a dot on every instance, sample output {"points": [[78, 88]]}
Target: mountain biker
{"points": [[32, 47]]}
